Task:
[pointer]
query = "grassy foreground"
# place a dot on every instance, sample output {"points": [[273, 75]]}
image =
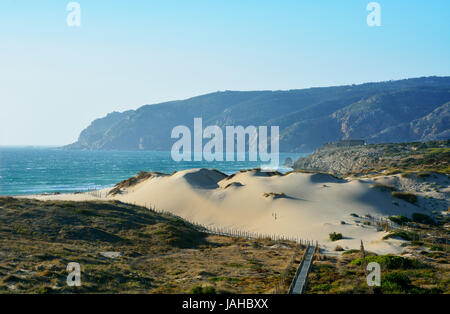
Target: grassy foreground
{"points": [[158, 253]]}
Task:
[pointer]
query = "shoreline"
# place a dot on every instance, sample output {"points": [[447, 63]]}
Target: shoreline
{"points": [[109, 186]]}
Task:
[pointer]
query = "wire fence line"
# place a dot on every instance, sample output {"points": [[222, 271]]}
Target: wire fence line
{"points": [[228, 231], [379, 222], [224, 231], [98, 193]]}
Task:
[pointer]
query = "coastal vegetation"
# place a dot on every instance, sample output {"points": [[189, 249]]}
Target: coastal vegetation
{"points": [[399, 219], [421, 269], [336, 236], [124, 248], [406, 196]]}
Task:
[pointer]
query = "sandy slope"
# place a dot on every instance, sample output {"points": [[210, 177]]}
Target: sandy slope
{"points": [[313, 205]]}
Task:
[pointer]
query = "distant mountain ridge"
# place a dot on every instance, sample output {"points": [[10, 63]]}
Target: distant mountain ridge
{"points": [[394, 111]]}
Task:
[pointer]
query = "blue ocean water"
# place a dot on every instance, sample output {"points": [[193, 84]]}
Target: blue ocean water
{"points": [[39, 170]]}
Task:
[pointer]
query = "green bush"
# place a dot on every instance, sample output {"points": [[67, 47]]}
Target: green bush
{"points": [[405, 235], [395, 283], [321, 287], [177, 221], [203, 290], [399, 219], [352, 251], [409, 197], [390, 261], [336, 236], [230, 279], [422, 218], [437, 248], [384, 187]]}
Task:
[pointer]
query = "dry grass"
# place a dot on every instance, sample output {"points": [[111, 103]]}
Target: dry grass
{"points": [[160, 254]]}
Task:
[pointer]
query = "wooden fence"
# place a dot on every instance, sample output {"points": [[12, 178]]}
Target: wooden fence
{"points": [[95, 192], [230, 232], [382, 223]]}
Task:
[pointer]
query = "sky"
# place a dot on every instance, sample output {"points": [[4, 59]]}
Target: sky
{"points": [[55, 79]]}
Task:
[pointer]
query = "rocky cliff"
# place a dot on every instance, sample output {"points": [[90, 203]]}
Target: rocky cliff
{"points": [[395, 111]]}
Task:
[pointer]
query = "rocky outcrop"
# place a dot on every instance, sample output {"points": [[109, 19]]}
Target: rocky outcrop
{"points": [[377, 158]]}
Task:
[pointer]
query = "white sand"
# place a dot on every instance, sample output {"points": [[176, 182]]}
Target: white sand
{"points": [[77, 197], [313, 206]]}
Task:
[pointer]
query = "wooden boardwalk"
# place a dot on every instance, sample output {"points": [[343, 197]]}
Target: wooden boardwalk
{"points": [[299, 283]]}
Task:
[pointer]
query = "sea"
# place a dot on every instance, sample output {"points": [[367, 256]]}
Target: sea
{"points": [[37, 170]]}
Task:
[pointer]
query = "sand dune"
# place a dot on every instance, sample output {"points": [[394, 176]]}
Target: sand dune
{"points": [[306, 205]]}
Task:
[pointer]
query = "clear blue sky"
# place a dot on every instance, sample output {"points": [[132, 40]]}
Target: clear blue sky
{"points": [[54, 80]]}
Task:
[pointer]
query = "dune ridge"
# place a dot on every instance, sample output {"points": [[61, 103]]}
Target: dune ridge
{"points": [[303, 205]]}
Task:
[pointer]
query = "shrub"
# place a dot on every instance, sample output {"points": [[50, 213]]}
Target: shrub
{"points": [[336, 236], [437, 248], [399, 219], [45, 290], [321, 287], [409, 197], [177, 221], [391, 172], [230, 279], [408, 236], [395, 283], [339, 248], [352, 251], [390, 261], [384, 187], [85, 212], [274, 195], [422, 218], [203, 290]]}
